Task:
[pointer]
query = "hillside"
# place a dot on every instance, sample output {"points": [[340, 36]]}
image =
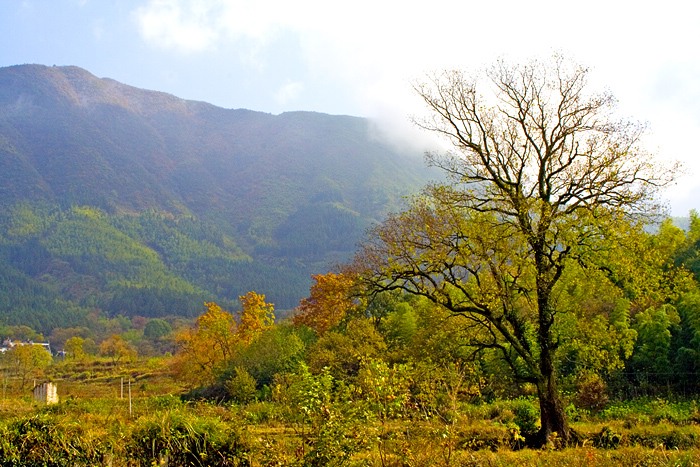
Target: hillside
{"points": [[135, 202]]}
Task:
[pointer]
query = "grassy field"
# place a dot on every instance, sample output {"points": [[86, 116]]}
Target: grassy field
{"points": [[95, 423]]}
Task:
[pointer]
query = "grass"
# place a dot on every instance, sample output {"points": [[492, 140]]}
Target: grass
{"points": [[93, 425]]}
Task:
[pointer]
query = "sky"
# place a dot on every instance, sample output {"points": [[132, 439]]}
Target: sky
{"points": [[361, 57]]}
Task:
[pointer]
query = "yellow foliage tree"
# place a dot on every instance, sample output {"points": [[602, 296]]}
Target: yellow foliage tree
{"points": [[542, 180], [75, 348], [256, 316], [329, 301], [117, 349], [27, 360], [207, 348]]}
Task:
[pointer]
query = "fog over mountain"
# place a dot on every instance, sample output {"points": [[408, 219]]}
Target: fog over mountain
{"points": [[130, 201]]}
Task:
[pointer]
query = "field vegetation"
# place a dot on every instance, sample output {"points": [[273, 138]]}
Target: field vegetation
{"points": [[316, 419], [388, 385]]}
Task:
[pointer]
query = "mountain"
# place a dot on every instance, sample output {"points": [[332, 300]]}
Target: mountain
{"points": [[119, 200]]}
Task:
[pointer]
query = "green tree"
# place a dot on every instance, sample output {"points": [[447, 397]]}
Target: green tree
{"points": [[60, 336], [157, 329], [275, 350], [22, 333], [241, 386], [341, 353], [689, 253], [594, 329], [687, 341], [543, 179], [652, 354]]}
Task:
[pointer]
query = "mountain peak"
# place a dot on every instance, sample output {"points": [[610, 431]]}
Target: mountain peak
{"points": [[280, 196], [78, 87]]}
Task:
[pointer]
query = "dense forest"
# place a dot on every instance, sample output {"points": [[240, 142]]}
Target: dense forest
{"points": [[133, 202]]}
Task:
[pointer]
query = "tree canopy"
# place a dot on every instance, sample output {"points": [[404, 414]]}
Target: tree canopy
{"points": [[544, 182]]}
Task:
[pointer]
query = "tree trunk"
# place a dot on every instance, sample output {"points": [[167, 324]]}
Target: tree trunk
{"points": [[554, 424]]}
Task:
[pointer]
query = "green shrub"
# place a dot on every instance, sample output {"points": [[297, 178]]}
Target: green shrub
{"points": [[50, 441], [241, 387], [262, 412], [527, 415], [664, 435], [652, 410], [385, 389], [335, 426], [607, 438], [492, 438], [166, 402], [183, 439]]}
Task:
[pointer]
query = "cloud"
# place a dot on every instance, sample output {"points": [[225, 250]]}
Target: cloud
{"points": [[180, 25], [289, 92], [198, 25], [360, 57]]}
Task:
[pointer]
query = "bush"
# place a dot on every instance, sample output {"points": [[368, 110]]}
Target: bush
{"points": [[591, 393], [607, 438], [493, 438], [166, 402], [181, 439], [241, 386], [527, 415], [262, 412], [335, 426], [214, 393], [50, 441], [652, 410]]}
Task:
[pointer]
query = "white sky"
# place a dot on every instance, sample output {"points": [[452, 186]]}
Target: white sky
{"points": [[359, 57]]}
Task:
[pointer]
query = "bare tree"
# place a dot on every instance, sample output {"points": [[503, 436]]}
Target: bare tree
{"points": [[541, 175]]}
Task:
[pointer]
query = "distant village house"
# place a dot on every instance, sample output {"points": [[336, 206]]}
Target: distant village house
{"points": [[8, 344]]}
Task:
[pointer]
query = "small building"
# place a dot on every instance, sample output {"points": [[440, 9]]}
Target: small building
{"points": [[46, 393], [8, 344]]}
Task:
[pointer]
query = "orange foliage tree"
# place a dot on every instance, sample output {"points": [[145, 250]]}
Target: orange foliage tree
{"points": [[117, 349], [256, 316], [207, 348], [329, 301]]}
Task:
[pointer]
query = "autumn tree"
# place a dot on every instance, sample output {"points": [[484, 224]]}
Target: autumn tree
{"points": [[206, 349], [117, 349], [256, 316], [329, 301], [543, 178], [75, 348], [27, 360]]}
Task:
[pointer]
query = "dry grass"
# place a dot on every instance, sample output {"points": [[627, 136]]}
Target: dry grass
{"points": [[92, 408]]}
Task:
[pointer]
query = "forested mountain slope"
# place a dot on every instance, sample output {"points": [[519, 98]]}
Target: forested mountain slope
{"points": [[121, 200]]}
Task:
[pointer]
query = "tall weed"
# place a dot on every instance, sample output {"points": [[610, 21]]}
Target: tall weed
{"points": [[51, 441], [181, 438]]}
